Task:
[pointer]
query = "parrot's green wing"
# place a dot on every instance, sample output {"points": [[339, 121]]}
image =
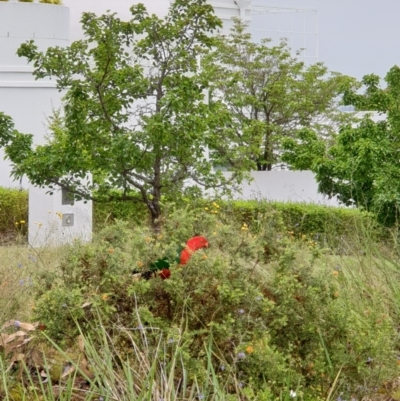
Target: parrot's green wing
{"points": [[159, 264], [164, 263]]}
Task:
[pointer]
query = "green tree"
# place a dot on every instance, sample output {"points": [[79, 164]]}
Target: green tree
{"points": [[271, 94], [361, 166], [134, 113]]}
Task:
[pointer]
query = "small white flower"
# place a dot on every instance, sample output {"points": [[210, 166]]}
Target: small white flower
{"points": [[292, 394]]}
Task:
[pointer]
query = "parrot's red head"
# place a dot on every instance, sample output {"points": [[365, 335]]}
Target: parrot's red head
{"points": [[197, 243], [192, 245]]}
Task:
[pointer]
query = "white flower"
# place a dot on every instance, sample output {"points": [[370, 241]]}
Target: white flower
{"points": [[292, 394]]}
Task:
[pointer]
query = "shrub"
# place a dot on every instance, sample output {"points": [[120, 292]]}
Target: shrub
{"points": [[335, 227], [107, 212], [269, 310], [59, 2], [16, 282], [332, 226], [13, 212]]}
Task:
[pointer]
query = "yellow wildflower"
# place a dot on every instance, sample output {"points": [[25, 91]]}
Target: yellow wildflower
{"points": [[249, 349]]}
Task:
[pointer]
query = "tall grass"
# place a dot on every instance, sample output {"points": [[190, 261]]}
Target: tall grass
{"points": [[96, 370], [152, 368], [19, 267]]}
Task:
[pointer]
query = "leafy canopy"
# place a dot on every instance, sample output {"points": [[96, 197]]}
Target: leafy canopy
{"points": [[361, 165], [271, 94], [134, 112]]}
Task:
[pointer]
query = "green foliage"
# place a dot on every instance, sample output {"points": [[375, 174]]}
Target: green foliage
{"points": [[319, 317], [135, 129], [13, 211], [271, 95], [257, 306], [59, 2], [134, 212], [106, 269], [330, 226], [360, 164]]}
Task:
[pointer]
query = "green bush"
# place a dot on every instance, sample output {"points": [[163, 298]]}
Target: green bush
{"points": [[13, 210], [335, 227], [105, 213], [331, 226], [271, 311], [58, 2]]}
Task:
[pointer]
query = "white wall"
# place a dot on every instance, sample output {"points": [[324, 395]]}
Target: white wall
{"points": [[224, 9], [27, 101], [284, 186], [46, 223], [121, 7], [227, 9], [30, 107]]}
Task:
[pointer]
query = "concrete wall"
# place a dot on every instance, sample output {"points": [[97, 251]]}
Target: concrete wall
{"points": [[284, 186], [121, 7], [224, 9], [227, 9], [47, 219], [30, 107]]}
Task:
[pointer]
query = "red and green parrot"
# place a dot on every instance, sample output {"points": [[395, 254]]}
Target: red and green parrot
{"points": [[161, 266]]}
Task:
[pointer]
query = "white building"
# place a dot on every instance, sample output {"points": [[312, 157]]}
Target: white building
{"points": [[28, 101]]}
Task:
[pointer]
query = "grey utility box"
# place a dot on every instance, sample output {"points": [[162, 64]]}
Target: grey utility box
{"points": [[67, 219]]}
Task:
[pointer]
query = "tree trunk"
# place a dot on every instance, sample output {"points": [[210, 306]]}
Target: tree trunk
{"points": [[155, 201], [155, 212], [265, 164]]}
